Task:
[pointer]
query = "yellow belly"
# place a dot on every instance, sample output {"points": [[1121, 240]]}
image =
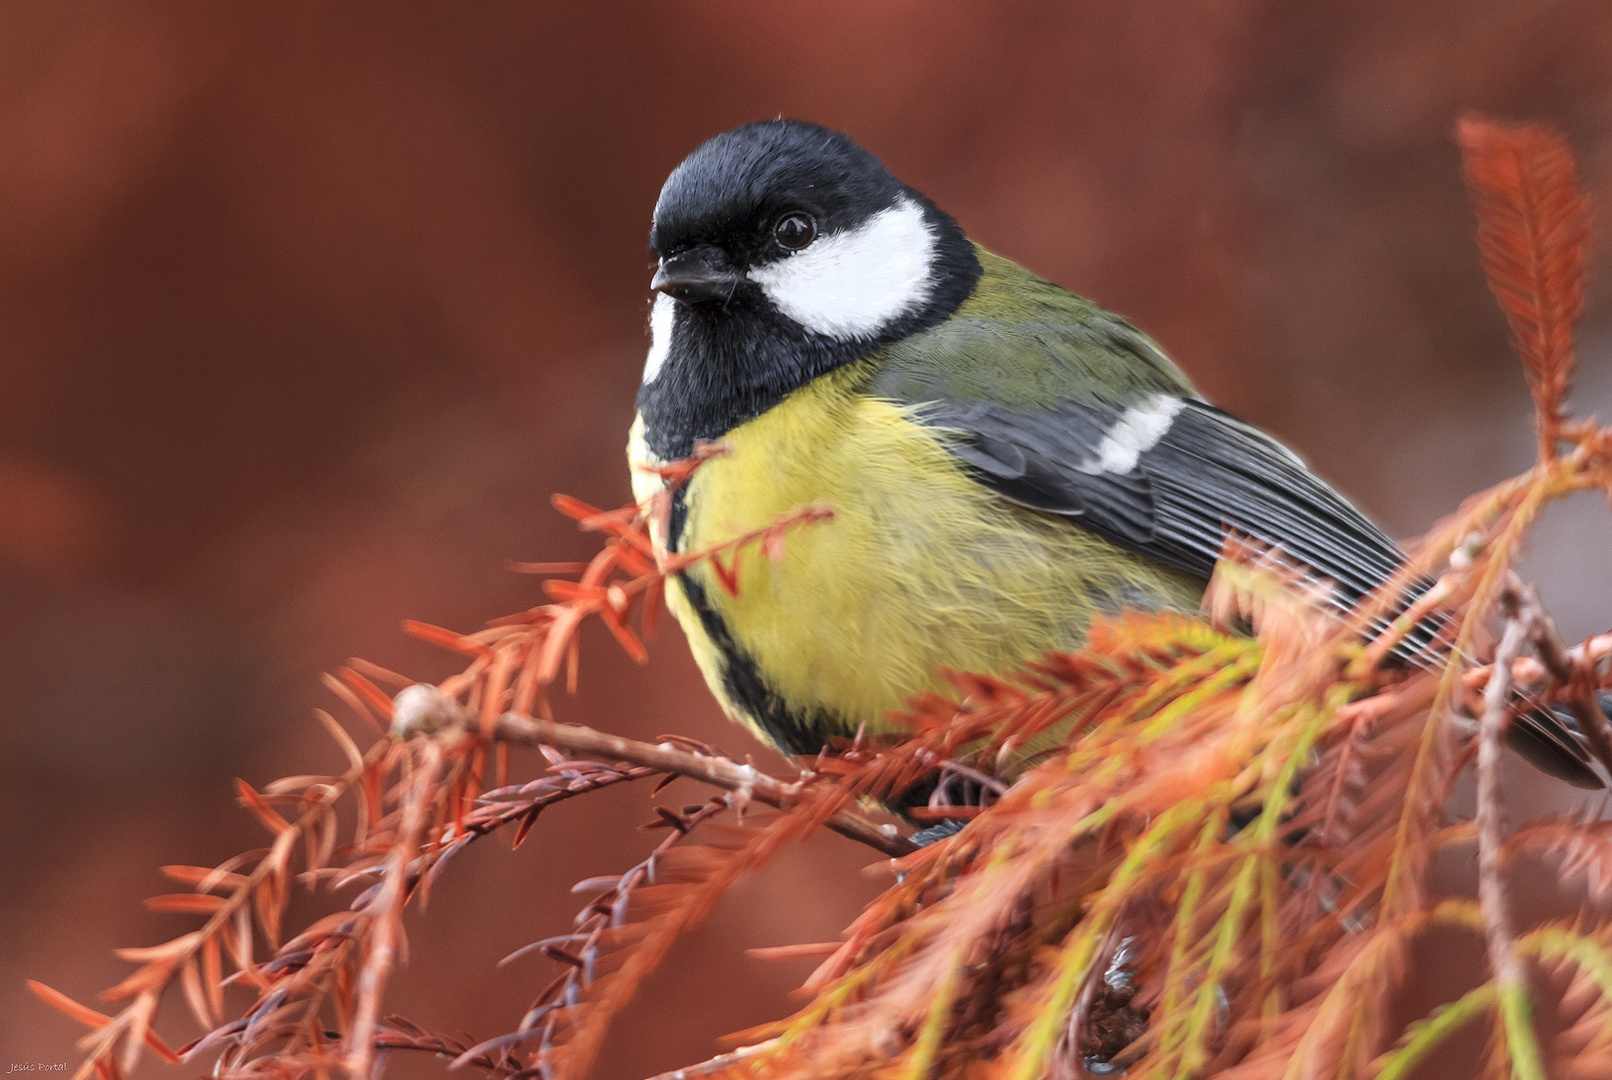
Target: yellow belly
{"points": [[920, 568]]}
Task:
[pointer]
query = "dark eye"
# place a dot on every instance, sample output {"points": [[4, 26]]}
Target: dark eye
{"points": [[794, 230]]}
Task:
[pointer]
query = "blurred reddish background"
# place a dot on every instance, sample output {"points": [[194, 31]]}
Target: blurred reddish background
{"points": [[307, 308]]}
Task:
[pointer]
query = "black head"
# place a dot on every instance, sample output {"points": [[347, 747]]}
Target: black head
{"points": [[786, 250]]}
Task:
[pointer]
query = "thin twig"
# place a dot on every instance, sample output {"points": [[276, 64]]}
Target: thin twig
{"points": [[1499, 932], [386, 911], [1530, 672], [718, 1064], [719, 772], [1575, 674]]}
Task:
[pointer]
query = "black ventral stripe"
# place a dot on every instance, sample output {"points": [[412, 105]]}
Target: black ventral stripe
{"points": [[792, 730]]}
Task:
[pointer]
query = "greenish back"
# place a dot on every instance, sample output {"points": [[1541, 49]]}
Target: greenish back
{"points": [[1023, 343]]}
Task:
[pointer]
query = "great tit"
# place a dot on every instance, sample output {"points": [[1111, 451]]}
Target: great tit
{"points": [[1005, 459]]}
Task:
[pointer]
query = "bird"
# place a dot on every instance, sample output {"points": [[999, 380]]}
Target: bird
{"points": [[1005, 460]]}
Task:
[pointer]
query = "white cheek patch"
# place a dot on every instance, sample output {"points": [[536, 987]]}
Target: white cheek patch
{"points": [[660, 335], [854, 283], [1136, 432]]}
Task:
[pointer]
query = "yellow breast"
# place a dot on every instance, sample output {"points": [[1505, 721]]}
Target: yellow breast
{"points": [[920, 568]]}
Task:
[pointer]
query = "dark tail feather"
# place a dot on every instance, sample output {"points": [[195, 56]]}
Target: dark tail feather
{"points": [[1551, 741], [1548, 738]]}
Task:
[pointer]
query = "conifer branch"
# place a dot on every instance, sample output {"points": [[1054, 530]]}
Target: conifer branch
{"points": [[1573, 673], [1511, 986], [1533, 223], [746, 780]]}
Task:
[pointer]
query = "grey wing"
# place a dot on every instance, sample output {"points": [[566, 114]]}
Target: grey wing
{"points": [[1170, 476]]}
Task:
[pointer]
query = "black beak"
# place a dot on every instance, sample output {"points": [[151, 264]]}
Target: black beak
{"points": [[701, 273]]}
